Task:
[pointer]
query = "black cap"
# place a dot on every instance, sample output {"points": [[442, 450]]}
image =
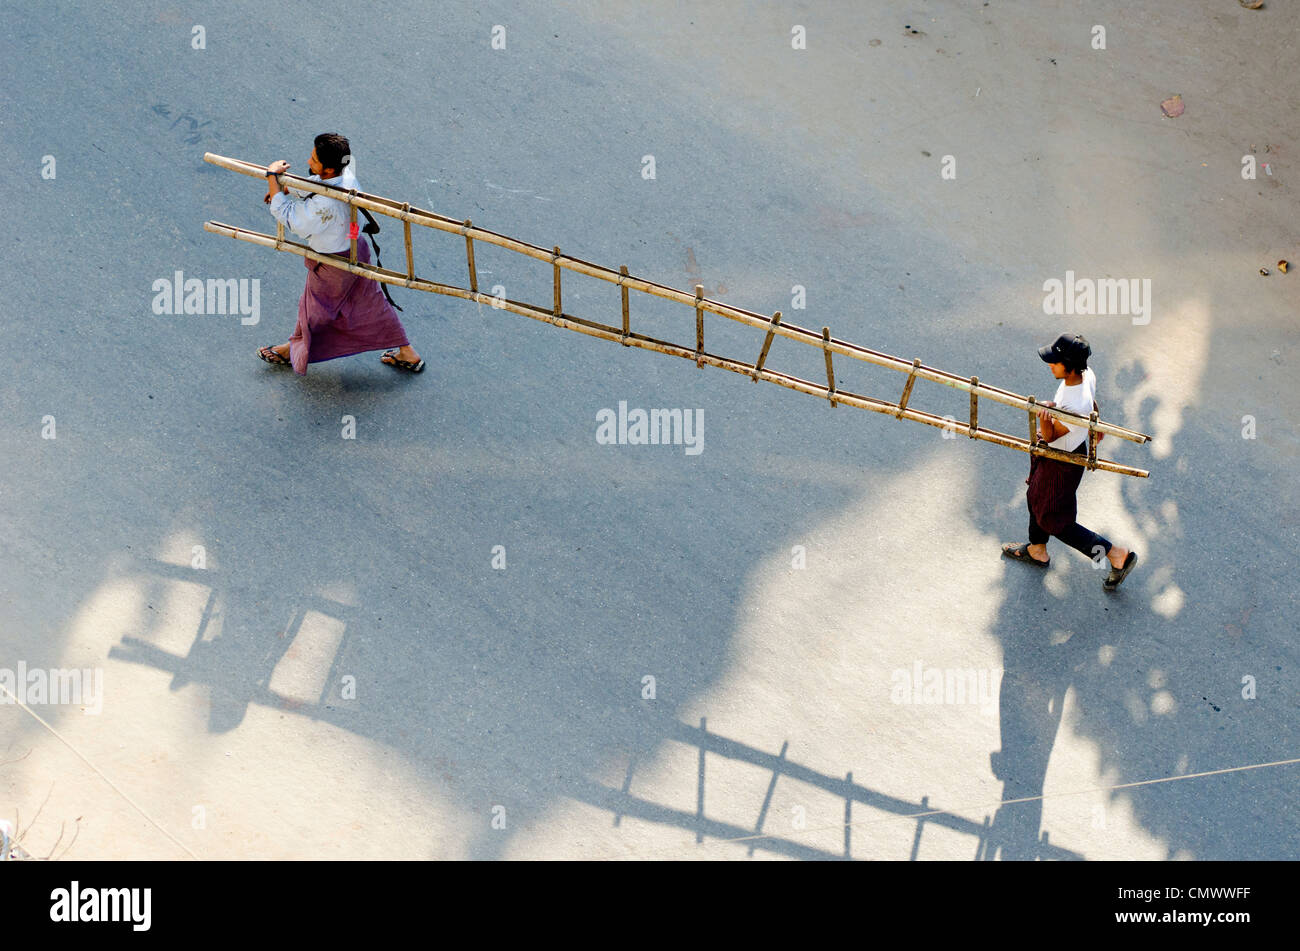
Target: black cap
{"points": [[1067, 348]]}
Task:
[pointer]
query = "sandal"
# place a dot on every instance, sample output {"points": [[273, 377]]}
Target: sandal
{"points": [[390, 357], [1021, 553], [270, 356], [1119, 574]]}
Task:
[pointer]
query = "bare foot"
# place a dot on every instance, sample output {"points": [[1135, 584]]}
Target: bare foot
{"points": [[1117, 555]]}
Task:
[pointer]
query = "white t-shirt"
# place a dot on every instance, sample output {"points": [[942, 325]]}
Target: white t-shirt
{"points": [[1076, 399]]}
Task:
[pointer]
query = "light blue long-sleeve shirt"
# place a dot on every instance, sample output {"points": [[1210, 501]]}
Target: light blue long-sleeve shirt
{"points": [[322, 221]]}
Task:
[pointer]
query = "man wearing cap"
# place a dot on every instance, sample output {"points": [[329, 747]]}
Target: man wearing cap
{"points": [[1052, 484]]}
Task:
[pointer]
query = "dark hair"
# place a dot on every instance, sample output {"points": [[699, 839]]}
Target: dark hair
{"points": [[330, 149], [1077, 361]]}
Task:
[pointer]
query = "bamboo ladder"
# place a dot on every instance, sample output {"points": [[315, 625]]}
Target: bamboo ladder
{"points": [[774, 326]]}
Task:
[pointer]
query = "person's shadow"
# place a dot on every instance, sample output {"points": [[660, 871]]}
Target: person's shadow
{"points": [[1037, 672]]}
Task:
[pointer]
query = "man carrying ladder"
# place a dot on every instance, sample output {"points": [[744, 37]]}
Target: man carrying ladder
{"points": [[339, 313], [1052, 484]]}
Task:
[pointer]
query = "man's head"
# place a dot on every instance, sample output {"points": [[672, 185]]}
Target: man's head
{"points": [[327, 155], [1067, 355]]}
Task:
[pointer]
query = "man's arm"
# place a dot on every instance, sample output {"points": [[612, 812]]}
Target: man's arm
{"points": [[273, 182], [1048, 426], [1052, 428], [292, 211]]}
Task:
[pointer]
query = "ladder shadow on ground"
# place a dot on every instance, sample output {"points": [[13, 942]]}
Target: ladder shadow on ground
{"points": [[1011, 833], [989, 835]]}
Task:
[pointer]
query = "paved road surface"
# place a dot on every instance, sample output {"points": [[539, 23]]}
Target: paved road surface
{"points": [[349, 675]]}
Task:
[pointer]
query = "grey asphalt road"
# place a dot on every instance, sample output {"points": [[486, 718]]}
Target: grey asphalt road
{"points": [[305, 648]]}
